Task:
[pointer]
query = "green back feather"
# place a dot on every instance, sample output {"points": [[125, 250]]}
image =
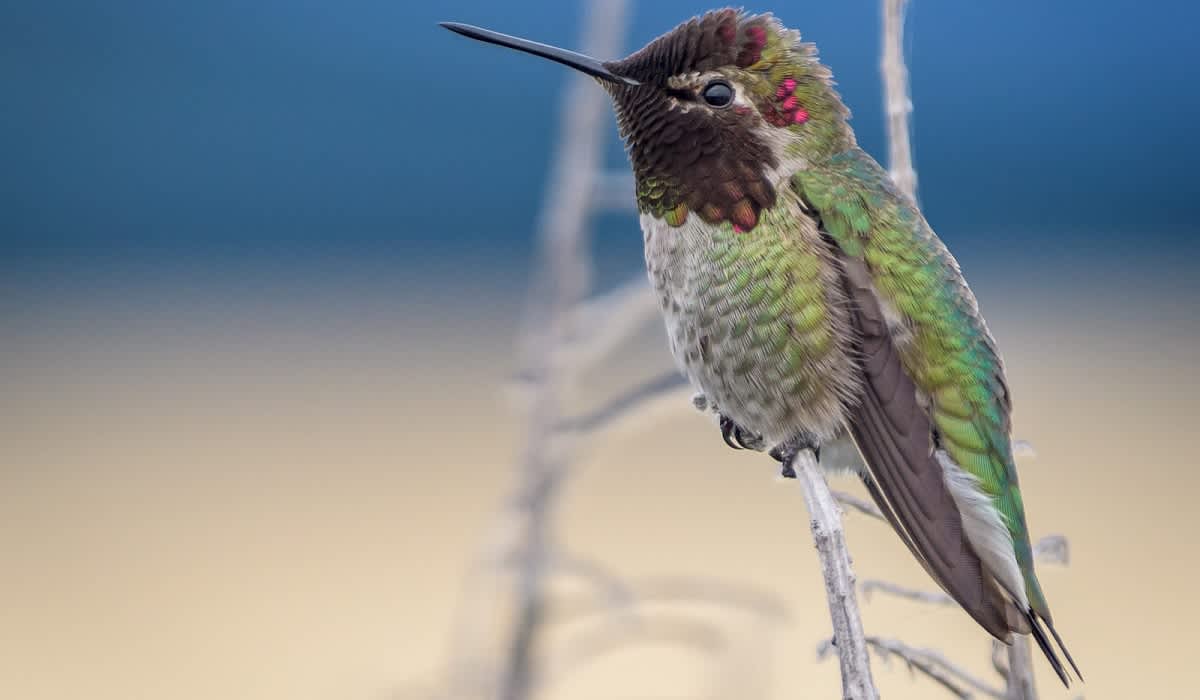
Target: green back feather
{"points": [[951, 355]]}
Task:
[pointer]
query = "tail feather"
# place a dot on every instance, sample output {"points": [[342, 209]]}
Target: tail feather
{"points": [[1058, 640], [1039, 635]]}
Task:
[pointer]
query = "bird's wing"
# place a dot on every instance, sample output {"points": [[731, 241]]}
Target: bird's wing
{"points": [[933, 380], [894, 433]]}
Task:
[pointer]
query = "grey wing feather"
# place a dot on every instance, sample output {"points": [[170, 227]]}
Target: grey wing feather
{"points": [[895, 436]]}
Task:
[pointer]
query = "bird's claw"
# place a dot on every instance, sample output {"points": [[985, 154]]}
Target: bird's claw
{"points": [[738, 437], [727, 429], [784, 452]]}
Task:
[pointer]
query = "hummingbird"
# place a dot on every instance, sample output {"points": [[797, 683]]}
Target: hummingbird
{"points": [[810, 303]]}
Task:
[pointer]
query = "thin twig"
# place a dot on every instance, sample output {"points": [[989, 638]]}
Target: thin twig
{"points": [[930, 662], [859, 504], [1053, 549], [830, 539], [897, 101], [666, 393], [616, 592], [932, 597], [674, 629], [598, 326], [1019, 679], [725, 595], [1024, 449]]}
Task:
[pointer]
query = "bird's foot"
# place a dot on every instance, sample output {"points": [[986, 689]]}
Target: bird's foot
{"points": [[786, 451], [738, 437]]}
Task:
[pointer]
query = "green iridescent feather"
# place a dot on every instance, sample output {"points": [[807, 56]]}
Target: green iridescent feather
{"points": [[950, 356]]}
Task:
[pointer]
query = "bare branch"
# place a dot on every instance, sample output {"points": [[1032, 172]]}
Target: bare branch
{"points": [[1000, 657], [830, 539], [605, 321], [929, 662], [665, 394], [933, 597], [615, 191], [673, 629], [598, 326], [859, 504], [1053, 549], [897, 101], [1023, 448], [562, 282], [684, 589], [616, 593], [1020, 670]]}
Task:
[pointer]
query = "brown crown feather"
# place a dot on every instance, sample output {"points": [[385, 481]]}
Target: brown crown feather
{"points": [[711, 162]]}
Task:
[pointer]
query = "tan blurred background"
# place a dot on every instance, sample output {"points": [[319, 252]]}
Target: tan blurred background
{"points": [[260, 270], [274, 491]]}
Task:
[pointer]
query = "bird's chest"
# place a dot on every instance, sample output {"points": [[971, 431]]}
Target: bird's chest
{"points": [[735, 309]]}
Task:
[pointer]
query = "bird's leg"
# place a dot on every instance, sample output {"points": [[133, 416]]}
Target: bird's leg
{"points": [[738, 437], [733, 434], [785, 451]]}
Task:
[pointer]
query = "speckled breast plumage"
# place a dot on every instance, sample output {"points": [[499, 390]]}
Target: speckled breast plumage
{"points": [[757, 319]]}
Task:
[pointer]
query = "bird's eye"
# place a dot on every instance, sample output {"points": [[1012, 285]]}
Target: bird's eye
{"points": [[718, 94]]}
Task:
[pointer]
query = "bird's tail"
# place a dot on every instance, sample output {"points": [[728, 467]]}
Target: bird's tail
{"points": [[1039, 635]]}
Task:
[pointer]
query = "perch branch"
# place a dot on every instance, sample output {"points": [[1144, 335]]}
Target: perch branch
{"points": [[830, 539]]}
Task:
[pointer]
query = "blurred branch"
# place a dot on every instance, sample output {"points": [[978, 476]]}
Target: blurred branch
{"points": [[616, 592], [1053, 549], [659, 628], [897, 100], [932, 597], [687, 590], [615, 191], [549, 320], [1023, 448], [598, 326], [668, 392], [859, 504], [1019, 679], [606, 320], [929, 662], [830, 539], [1014, 662]]}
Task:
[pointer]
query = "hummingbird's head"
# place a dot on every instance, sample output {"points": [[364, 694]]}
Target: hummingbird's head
{"points": [[714, 113]]}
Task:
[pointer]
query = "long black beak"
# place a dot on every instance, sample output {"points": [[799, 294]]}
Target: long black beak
{"points": [[578, 61]]}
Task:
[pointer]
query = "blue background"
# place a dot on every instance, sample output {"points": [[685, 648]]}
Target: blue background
{"points": [[172, 132]]}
